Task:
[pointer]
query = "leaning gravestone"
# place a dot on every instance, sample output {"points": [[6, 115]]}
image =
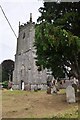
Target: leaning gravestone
{"points": [[70, 94]]}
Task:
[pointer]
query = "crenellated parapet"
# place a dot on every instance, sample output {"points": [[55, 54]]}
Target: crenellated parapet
{"points": [[26, 25]]}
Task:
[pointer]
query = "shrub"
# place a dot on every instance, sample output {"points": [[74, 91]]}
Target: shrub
{"points": [[5, 84]]}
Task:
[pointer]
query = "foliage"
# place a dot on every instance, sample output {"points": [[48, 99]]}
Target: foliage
{"points": [[5, 84], [7, 69], [56, 41], [58, 49], [64, 14]]}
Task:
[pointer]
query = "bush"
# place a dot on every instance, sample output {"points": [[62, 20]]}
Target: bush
{"points": [[5, 84]]}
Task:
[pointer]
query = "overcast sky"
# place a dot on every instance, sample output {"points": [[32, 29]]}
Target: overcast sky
{"points": [[15, 10]]}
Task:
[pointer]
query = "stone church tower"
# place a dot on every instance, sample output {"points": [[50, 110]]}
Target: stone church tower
{"points": [[25, 72]]}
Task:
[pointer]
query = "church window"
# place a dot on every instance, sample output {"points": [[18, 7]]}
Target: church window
{"points": [[23, 35]]}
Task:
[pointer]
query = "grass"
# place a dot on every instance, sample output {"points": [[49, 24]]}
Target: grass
{"points": [[26, 104], [69, 114]]}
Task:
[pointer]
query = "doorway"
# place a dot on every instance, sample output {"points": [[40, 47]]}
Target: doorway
{"points": [[22, 85]]}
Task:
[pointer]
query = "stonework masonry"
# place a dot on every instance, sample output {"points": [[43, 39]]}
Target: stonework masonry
{"points": [[25, 65]]}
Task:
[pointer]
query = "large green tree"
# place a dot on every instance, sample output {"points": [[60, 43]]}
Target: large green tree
{"points": [[7, 69], [57, 38], [64, 14]]}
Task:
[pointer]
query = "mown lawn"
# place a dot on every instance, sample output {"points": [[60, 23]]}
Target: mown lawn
{"points": [[25, 104]]}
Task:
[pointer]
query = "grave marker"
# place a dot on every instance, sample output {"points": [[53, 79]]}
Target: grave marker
{"points": [[70, 94]]}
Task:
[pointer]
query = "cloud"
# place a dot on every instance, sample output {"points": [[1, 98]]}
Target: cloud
{"points": [[19, 1]]}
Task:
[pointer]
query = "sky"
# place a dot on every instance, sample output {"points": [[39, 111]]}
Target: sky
{"points": [[15, 10]]}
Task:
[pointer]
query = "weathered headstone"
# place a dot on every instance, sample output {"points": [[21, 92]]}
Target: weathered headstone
{"points": [[36, 88], [48, 90], [53, 89], [9, 85], [27, 87], [32, 87], [70, 94]]}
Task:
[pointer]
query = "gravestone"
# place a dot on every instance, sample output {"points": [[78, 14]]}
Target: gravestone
{"points": [[48, 90], [32, 87], [36, 88], [70, 94], [10, 85], [27, 87], [53, 89]]}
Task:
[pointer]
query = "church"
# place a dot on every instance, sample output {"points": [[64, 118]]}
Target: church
{"points": [[25, 74]]}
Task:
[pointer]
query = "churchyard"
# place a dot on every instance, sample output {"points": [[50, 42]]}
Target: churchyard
{"points": [[30, 104]]}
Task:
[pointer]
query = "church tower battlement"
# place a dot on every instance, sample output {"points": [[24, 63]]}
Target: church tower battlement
{"points": [[25, 71]]}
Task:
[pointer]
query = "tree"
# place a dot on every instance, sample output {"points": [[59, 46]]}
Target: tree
{"points": [[7, 69], [64, 14], [56, 41]]}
